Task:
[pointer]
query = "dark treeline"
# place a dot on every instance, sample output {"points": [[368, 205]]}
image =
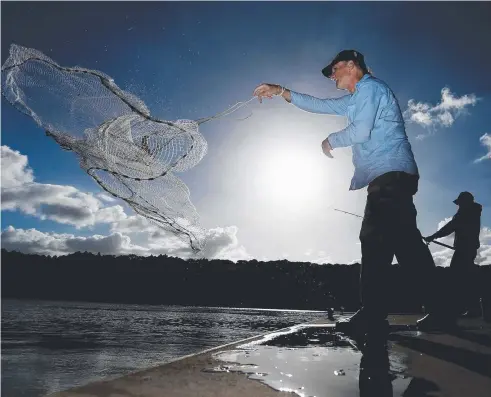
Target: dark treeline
{"points": [[174, 281]]}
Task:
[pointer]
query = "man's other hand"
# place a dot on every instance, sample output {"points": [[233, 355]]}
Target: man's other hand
{"points": [[428, 239], [326, 148]]}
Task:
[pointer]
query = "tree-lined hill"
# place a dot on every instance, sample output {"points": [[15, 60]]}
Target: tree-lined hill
{"points": [[169, 280]]}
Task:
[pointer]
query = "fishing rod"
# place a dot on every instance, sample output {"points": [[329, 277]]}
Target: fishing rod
{"points": [[442, 244], [346, 212], [432, 241]]}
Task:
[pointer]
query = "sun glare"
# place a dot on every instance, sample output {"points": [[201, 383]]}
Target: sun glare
{"points": [[292, 176]]}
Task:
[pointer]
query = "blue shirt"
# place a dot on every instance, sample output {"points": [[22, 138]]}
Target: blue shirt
{"points": [[375, 131]]}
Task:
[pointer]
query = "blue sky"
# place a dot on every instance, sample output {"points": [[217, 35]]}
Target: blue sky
{"points": [[195, 59]]}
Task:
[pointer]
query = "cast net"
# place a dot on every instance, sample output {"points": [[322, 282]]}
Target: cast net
{"points": [[130, 154]]}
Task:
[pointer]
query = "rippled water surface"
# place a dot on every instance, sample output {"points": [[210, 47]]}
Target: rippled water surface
{"points": [[52, 346]]}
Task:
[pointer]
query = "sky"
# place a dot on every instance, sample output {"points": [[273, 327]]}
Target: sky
{"points": [[264, 190]]}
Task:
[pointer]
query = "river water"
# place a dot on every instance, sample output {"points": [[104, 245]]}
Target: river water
{"points": [[52, 346]]}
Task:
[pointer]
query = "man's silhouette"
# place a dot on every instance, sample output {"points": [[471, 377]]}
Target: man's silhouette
{"points": [[466, 224]]}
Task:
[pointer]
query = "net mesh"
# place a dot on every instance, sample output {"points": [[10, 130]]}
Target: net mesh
{"points": [[129, 153]]}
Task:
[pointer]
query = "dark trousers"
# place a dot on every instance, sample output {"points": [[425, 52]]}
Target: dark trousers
{"points": [[389, 228], [463, 293]]}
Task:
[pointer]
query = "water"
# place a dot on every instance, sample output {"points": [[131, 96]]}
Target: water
{"points": [[53, 346]]}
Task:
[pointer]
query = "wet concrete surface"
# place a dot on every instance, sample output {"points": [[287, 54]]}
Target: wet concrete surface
{"points": [[316, 361]]}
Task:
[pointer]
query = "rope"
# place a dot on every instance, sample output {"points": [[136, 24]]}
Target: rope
{"points": [[226, 112]]}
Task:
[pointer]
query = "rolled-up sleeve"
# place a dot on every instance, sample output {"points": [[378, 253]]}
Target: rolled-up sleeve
{"points": [[318, 105], [366, 103]]}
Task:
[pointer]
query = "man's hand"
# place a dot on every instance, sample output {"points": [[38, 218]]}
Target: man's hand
{"points": [[266, 90], [428, 239], [326, 148]]}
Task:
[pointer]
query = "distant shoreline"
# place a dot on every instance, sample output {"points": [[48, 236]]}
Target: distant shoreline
{"points": [[164, 280]]}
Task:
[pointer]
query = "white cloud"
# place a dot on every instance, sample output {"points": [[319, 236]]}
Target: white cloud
{"points": [[223, 243], [322, 260], [60, 203], [109, 214], [34, 241], [443, 223], [319, 257], [15, 171], [443, 257], [134, 224], [443, 114], [486, 142], [484, 252]]}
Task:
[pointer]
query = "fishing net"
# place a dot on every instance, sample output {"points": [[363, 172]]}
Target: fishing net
{"points": [[129, 153]]}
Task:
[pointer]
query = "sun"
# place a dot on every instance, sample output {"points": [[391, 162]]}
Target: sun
{"points": [[292, 176]]}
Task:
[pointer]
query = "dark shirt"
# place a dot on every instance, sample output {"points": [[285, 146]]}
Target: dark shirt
{"points": [[466, 224]]}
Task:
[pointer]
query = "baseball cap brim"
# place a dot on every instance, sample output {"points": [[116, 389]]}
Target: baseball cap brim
{"points": [[327, 71]]}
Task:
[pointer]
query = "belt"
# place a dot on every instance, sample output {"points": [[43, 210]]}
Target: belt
{"points": [[391, 177]]}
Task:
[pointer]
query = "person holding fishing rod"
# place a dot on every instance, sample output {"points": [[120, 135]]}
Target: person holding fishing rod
{"points": [[466, 224], [384, 162]]}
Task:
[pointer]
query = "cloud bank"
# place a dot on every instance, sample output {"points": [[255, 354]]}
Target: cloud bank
{"points": [[129, 234]]}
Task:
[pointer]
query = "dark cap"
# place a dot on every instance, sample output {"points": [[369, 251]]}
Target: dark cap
{"points": [[464, 198], [346, 55]]}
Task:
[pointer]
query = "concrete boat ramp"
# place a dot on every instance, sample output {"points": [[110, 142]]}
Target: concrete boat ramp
{"points": [[312, 360]]}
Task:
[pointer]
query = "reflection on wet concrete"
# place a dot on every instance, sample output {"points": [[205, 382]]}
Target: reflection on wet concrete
{"points": [[316, 361]]}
